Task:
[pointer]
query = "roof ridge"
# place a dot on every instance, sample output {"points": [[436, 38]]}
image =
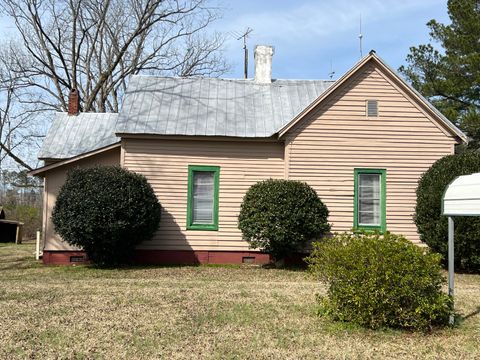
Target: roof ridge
{"points": [[249, 80]]}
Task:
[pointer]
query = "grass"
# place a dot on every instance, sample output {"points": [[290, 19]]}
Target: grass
{"points": [[81, 312]]}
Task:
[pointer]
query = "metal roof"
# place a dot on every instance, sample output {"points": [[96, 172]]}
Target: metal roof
{"points": [[462, 196], [213, 106], [70, 136]]}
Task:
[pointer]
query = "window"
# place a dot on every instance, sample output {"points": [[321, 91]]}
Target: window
{"points": [[202, 202], [372, 108], [370, 199]]}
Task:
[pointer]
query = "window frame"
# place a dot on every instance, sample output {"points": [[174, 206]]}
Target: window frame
{"points": [[216, 184], [383, 200]]}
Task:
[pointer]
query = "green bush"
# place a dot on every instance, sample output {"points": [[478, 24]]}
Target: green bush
{"points": [[106, 211], [433, 226], [380, 281], [280, 216]]}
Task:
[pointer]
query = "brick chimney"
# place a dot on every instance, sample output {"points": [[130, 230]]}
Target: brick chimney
{"points": [[73, 102]]}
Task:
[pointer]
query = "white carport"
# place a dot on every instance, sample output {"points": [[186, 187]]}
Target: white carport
{"points": [[461, 198]]}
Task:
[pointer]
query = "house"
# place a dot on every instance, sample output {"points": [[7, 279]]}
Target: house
{"points": [[362, 142]]}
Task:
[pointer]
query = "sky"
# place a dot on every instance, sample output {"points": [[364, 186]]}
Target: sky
{"points": [[313, 37]]}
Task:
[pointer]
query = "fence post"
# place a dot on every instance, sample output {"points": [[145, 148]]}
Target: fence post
{"points": [[37, 247]]}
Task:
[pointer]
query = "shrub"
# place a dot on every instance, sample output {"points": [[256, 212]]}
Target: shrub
{"points": [[433, 227], [106, 211], [380, 281], [281, 216]]}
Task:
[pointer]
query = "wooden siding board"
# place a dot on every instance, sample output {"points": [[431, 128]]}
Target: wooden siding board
{"points": [[336, 137], [165, 164]]}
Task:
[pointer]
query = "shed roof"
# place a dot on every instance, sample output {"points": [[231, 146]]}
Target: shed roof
{"points": [[213, 106], [462, 196], [70, 136]]}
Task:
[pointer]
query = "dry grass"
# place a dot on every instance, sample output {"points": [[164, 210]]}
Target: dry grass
{"points": [[196, 312]]}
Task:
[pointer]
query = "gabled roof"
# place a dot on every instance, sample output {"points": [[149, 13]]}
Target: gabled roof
{"points": [[212, 106], [437, 115], [70, 136], [155, 105]]}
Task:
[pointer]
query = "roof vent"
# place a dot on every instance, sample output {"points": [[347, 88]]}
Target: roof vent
{"points": [[372, 108], [263, 63]]}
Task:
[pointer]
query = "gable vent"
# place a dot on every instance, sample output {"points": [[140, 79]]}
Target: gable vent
{"points": [[372, 108]]}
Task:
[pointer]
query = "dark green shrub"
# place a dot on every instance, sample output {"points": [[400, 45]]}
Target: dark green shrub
{"points": [[380, 281], [433, 227], [106, 211], [281, 216]]}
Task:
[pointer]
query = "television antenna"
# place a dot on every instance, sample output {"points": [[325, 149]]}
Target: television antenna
{"points": [[360, 37], [332, 72], [244, 36]]}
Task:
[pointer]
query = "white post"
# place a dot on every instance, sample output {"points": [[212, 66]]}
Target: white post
{"points": [[451, 280], [37, 247]]}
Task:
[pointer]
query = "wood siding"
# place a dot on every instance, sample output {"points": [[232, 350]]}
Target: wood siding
{"points": [[165, 164], [54, 179], [324, 148]]}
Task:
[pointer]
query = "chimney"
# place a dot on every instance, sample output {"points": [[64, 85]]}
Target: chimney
{"points": [[73, 103], [263, 63]]}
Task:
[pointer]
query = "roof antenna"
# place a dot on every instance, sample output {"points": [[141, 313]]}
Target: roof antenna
{"points": [[245, 50], [332, 72], [360, 37]]}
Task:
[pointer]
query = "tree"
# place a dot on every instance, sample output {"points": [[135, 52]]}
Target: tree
{"points": [[95, 45], [450, 76], [280, 217], [433, 226], [107, 211], [19, 119]]}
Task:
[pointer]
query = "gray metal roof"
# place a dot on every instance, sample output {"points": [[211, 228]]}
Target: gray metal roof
{"points": [[70, 136], [212, 106]]}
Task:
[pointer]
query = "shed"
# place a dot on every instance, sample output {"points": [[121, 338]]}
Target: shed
{"points": [[461, 198], [11, 231]]}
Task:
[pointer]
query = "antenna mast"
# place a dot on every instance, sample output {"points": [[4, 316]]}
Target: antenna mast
{"points": [[332, 72], [360, 37], [245, 50]]}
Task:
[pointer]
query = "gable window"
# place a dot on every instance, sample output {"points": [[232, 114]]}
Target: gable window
{"points": [[202, 201], [372, 108], [370, 199]]}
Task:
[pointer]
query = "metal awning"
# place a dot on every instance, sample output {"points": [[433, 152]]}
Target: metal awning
{"points": [[461, 198]]}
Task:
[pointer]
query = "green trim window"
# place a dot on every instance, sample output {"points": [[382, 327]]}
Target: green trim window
{"points": [[202, 201], [370, 199]]}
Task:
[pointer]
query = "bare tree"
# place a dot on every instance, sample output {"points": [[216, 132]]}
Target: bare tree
{"points": [[95, 45], [20, 110]]}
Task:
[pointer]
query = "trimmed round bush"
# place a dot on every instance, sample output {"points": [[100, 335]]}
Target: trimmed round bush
{"points": [[380, 281], [279, 217], [106, 211], [433, 226]]}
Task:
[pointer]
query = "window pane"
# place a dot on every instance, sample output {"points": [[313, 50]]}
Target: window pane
{"points": [[203, 197], [369, 212]]}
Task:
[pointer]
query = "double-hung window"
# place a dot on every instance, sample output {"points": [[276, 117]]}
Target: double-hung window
{"points": [[202, 207], [370, 199]]}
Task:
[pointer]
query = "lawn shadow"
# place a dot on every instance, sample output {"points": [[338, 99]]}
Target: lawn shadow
{"points": [[473, 313]]}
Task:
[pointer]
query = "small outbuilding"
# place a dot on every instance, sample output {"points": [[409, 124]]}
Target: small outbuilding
{"points": [[11, 231]]}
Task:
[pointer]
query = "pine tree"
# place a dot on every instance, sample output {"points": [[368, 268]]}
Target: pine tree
{"points": [[449, 75]]}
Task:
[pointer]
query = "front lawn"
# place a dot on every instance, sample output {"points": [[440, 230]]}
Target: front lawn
{"points": [[196, 312]]}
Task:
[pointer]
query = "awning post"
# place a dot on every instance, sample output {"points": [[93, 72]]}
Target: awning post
{"points": [[451, 280]]}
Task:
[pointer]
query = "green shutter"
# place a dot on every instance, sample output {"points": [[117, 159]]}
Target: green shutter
{"points": [[383, 200], [216, 181]]}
